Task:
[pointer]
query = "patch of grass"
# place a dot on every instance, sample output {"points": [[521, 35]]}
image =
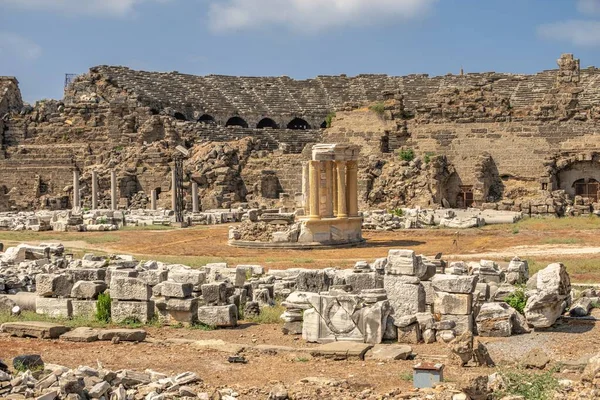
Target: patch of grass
{"points": [[378, 108], [203, 327], [104, 238], [103, 307], [329, 119], [74, 322], [131, 322], [303, 260], [301, 359], [532, 386], [269, 315], [20, 367], [515, 230], [406, 154], [562, 241], [406, 376], [517, 299], [427, 157], [147, 228]]}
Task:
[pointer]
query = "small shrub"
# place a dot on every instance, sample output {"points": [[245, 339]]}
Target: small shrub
{"points": [[406, 376], [301, 359], [101, 220], [517, 299], [203, 327], [103, 307], [131, 322], [407, 154], [531, 386], [329, 119], [378, 108], [427, 157], [398, 212], [515, 230]]}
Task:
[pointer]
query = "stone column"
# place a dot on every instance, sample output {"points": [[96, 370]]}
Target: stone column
{"points": [[334, 188], [195, 197], [153, 199], [94, 190], [113, 190], [341, 189], [173, 189], [305, 185], [314, 179], [76, 199], [352, 188], [329, 189]]}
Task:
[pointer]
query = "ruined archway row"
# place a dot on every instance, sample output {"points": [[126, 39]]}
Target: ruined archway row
{"points": [[295, 123]]}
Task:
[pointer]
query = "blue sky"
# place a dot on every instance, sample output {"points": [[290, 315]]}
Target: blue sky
{"points": [[41, 40]]}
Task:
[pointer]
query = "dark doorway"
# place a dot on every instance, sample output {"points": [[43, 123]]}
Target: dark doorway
{"points": [[465, 197], [207, 119], [236, 121], [180, 117], [587, 188], [298, 123], [267, 123]]}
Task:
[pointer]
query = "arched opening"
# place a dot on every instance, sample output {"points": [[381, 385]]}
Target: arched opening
{"points": [[179, 116], [587, 188], [236, 121], [267, 123], [324, 125], [153, 111], [298, 123], [207, 119]]}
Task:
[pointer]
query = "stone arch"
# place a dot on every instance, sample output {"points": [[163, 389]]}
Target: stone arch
{"points": [[267, 123], [324, 125], [299, 124], [179, 116], [207, 119], [576, 178], [236, 121]]}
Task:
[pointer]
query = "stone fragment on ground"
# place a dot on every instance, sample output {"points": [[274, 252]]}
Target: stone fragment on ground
{"points": [[388, 352], [124, 335], [342, 350], [35, 329], [81, 334]]}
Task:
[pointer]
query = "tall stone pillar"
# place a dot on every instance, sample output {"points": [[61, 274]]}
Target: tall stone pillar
{"points": [[195, 197], [153, 199], [314, 178], [76, 199], [306, 185], [113, 190], [329, 200], [352, 188], [334, 188], [173, 189], [341, 189], [94, 190]]}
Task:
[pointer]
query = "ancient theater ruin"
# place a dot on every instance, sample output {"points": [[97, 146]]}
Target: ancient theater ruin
{"points": [[490, 141]]}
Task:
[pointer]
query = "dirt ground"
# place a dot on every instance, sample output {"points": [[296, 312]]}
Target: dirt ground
{"points": [[568, 341]]}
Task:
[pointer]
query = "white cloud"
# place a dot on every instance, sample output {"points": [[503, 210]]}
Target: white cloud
{"points": [[588, 6], [117, 8], [575, 32], [310, 15], [13, 45]]}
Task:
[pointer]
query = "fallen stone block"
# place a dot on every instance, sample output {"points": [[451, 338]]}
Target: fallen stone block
{"points": [[124, 335], [410, 334], [48, 285], [455, 283], [401, 262], [88, 274], [342, 350], [55, 308], [452, 303], [218, 316], [405, 296], [84, 308], [215, 293], [462, 323], [129, 289], [175, 311], [364, 281], [196, 278], [176, 289], [153, 276], [82, 334], [494, 320], [313, 281], [388, 352], [581, 307], [86, 290], [141, 311], [40, 330]]}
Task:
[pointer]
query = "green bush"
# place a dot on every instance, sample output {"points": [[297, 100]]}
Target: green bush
{"points": [[397, 212], [407, 154], [517, 299], [378, 108], [329, 119], [427, 157], [103, 307], [532, 386]]}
